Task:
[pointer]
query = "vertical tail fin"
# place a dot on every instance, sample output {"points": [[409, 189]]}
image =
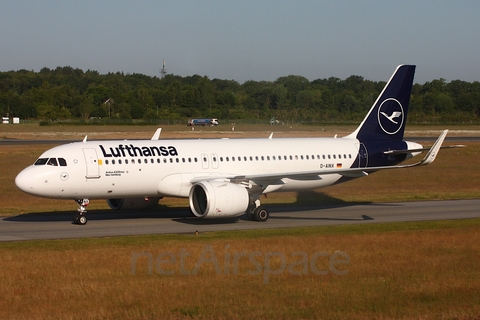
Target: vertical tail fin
{"points": [[386, 119]]}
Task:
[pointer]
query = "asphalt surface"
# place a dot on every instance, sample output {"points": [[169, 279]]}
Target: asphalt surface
{"points": [[167, 221]]}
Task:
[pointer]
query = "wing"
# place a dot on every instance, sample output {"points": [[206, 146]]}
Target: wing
{"points": [[275, 178]]}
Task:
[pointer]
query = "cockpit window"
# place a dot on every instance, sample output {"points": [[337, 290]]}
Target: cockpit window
{"points": [[41, 161], [52, 162]]}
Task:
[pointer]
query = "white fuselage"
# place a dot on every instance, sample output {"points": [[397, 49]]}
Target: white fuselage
{"points": [[156, 168]]}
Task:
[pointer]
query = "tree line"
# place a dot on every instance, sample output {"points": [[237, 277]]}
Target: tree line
{"points": [[68, 93]]}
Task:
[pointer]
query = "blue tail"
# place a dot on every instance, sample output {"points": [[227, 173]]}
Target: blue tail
{"points": [[386, 119]]}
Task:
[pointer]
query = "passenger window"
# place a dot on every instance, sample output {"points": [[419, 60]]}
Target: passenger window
{"points": [[119, 161], [113, 161], [62, 162]]}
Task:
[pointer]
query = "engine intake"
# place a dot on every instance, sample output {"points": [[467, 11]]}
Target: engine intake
{"points": [[215, 199]]}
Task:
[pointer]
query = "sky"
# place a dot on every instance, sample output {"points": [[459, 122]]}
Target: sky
{"points": [[259, 40]]}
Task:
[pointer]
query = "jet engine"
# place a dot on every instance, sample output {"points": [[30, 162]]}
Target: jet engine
{"points": [[216, 199], [132, 203]]}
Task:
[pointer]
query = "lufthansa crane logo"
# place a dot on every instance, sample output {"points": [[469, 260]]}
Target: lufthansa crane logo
{"points": [[390, 116]]}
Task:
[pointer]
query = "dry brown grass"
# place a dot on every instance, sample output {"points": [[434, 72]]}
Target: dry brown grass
{"points": [[428, 273]]}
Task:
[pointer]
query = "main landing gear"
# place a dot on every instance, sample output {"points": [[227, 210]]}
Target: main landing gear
{"points": [[256, 212], [81, 218]]}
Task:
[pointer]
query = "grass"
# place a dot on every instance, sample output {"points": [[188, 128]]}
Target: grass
{"points": [[425, 270]]}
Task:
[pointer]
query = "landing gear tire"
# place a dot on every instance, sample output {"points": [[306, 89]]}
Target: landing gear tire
{"points": [[80, 219], [250, 215], [260, 214]]}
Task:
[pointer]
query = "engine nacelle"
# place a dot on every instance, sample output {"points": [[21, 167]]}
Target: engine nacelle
{"points": [[215, 199], [132, 203]]}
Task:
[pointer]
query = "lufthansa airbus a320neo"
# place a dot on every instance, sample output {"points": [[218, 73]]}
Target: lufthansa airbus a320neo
{"points": [[226, 177]]}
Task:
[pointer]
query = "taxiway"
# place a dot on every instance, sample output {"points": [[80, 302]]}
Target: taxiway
{"points": [[36, 226]]}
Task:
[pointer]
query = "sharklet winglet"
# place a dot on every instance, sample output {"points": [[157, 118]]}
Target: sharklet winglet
{"points": [[156, 135], [432, 153]]}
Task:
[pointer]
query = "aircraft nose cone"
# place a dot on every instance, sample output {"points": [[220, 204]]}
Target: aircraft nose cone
{"points": [[24, 182]]}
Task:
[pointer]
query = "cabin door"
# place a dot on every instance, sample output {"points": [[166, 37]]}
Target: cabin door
{"points": [[91, 161]]}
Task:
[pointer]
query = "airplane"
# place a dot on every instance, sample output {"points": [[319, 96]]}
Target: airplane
{"points": [[226, 177]]}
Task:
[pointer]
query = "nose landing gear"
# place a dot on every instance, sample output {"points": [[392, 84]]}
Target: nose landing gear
{"points": [[81, 218]]}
